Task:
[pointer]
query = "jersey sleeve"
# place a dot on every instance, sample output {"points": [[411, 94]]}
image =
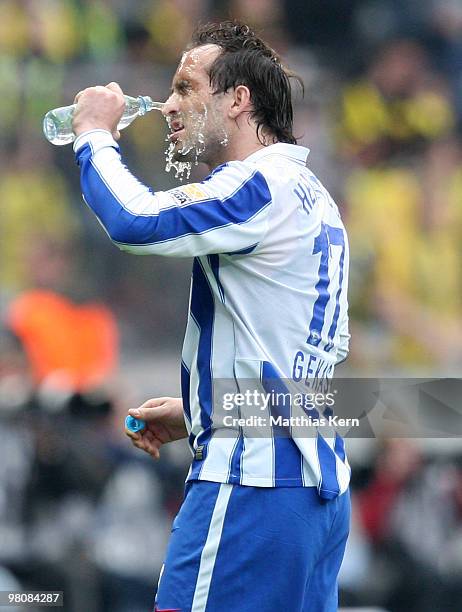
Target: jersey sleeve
{"points": [[226, 212]]}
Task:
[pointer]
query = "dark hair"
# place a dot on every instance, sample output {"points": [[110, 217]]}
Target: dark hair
{"points": [[246, 60]]}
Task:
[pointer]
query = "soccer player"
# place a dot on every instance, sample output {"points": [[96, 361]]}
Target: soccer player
{"points": [[265, 519]]}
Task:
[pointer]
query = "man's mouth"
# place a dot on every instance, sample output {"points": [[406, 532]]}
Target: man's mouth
{"points": [[176, 129]]}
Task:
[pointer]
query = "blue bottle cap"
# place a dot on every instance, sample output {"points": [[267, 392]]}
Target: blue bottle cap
{"points": [[133, 424]]}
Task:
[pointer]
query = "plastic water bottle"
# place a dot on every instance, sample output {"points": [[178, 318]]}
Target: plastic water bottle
{"points": [[57, 123]]}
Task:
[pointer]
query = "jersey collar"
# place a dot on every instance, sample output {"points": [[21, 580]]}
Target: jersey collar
{"points": [[281, 148]]}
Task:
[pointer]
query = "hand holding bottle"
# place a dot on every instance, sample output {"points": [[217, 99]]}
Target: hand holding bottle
{"points": [[99, 108], [96, 108]]}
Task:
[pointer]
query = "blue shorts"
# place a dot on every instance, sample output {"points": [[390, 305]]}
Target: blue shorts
{"points": [[246, 548]]}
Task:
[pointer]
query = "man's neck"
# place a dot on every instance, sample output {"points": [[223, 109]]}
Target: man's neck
{"points": [[238, 152]]}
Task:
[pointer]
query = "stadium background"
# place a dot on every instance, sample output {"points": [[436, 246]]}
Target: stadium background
{"points": [[88, 331]]}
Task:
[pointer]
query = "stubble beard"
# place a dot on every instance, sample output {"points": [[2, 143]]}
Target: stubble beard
{"points": [[207, 140], [204, 152]]}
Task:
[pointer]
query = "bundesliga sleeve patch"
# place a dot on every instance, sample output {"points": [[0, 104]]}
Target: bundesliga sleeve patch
{"points": [[189, 193], [180, 196], [195, 191]]}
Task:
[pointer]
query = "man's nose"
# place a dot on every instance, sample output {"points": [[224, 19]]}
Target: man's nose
{"points": [[171, 106]]}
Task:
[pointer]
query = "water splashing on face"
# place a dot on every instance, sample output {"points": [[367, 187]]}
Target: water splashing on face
{"points": [[197, 124], [192, 140], [182, 169], [224, 140]]}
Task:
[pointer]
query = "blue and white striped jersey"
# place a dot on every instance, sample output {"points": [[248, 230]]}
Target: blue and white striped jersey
{"points": [[268, 294]]}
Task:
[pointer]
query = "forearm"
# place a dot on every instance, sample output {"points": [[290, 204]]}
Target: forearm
{"points": [[126, 208]]}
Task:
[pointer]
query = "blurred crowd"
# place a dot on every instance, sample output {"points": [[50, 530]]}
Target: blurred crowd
{"points": [[87, 331]]}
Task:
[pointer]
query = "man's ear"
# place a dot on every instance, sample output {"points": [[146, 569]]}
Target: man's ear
{"points": [[241, 101]]}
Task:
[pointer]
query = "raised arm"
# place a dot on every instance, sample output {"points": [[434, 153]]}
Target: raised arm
{"points": [[226, 212]]}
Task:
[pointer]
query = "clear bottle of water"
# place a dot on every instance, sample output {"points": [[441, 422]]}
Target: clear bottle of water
{"points": [[57, 123]]}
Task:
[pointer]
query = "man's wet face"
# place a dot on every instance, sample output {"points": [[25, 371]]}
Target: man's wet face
{"points": [[195, 116]]}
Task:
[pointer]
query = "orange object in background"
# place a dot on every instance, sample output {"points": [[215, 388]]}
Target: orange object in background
{"points": [[77, 343]]}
